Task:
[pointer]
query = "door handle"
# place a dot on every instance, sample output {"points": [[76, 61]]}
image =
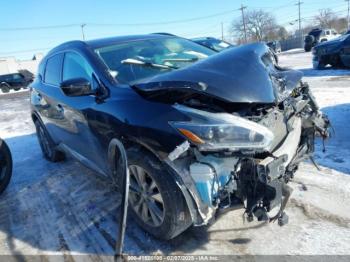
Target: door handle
{"points": [[59, 108]]}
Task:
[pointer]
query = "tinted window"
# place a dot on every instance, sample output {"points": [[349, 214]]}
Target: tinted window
{"points": [[53, 70], [131, 62], [75, 66], [16, 76]]}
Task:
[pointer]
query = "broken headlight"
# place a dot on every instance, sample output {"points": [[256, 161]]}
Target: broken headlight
{"points": [[213, 131]]}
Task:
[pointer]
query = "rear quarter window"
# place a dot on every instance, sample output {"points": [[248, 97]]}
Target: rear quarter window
{"points": [[53, 70]]}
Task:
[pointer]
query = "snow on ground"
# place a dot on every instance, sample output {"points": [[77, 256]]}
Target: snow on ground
{"points": [[64, 208], [12, 91]]}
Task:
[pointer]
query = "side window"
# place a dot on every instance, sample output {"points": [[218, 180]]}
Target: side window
{"points": [[75, 66], [53, 70]]}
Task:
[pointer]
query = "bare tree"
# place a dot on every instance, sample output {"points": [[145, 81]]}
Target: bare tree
{"points": [[341, 25], [260, 25], [326, 18]]}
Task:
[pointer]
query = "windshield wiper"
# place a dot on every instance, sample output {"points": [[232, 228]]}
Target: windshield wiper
{"points": [[194, 59], [132, 61]]}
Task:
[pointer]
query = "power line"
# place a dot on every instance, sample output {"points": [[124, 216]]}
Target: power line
{"points": [[166, 22], [243, 20], [348, 13], [37, 27], [23, 51], [114, 24], [300, 31]]}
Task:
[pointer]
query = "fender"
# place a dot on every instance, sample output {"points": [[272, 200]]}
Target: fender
{"points": [[113, 173]]}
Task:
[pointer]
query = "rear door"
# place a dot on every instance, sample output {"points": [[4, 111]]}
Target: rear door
{"points": [[44, 96]]}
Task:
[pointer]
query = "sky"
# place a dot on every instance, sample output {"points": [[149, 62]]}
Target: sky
{"points": [[30, 26]]}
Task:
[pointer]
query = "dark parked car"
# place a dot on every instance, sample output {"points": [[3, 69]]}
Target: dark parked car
{"points": [[14, 81], [335, 53], [212, 43], [5, 165], [205, 132], [275, 46], [318, 35]]}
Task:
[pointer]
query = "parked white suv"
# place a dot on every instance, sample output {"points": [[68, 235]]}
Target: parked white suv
{"points": [[318, 35], [328, 34]]}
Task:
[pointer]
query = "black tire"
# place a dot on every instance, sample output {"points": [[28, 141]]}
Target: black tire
{"points": [[5, 88], [321, 66], [5, 166], [309, 40], [307, 48], [48, 148], [176, 217]]}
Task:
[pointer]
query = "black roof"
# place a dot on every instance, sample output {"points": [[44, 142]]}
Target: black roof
{"points": [[122, 39], [96, 43]]}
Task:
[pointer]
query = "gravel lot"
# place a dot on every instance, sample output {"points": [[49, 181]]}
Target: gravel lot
{"points": [[66, 209]]}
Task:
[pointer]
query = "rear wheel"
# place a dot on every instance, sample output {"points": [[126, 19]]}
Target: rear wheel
{"points": [[155, 200], [5, 88], [5, 166], [47, 146]]}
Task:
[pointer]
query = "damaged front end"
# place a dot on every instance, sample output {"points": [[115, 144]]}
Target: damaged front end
{"points": [[250, 123]]}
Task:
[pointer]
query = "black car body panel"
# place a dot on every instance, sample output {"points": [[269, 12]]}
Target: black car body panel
{"points": [[238, 94], [235, 82], [334, 52]]}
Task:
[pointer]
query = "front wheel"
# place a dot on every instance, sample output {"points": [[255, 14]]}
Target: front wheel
{"points": [[5, 166], [155, 201]]}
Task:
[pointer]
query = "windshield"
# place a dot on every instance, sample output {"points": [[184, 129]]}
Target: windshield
{"points": [[137, 60], [212, 43]]}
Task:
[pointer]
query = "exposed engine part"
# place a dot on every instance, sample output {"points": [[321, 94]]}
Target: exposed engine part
{"points": [[179, 150]]}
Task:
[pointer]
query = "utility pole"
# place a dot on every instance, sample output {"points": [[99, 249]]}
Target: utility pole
{"points": [[222, 30], [300, 30], [243, 19], [348, 13], [82, 31]]}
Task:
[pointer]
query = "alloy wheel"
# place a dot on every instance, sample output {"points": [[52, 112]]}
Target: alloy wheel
{"points": [[145, 197]]}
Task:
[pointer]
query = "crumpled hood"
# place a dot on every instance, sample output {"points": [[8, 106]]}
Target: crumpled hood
{"points": [[237, 75]]}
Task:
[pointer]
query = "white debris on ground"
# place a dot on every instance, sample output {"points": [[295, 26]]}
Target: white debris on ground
{"points": [[63, 208]]}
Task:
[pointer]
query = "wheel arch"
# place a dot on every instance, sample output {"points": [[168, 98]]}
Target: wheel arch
{"points": [[128, 143], [5, 84]]}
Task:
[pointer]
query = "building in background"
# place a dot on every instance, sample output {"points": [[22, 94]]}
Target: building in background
{"points": [[9, 65]]}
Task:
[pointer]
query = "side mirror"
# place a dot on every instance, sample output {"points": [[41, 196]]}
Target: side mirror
{"points": [[76, 87]]}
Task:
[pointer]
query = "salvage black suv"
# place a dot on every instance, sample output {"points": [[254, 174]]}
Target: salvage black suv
{"points": [[205, 132]]}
